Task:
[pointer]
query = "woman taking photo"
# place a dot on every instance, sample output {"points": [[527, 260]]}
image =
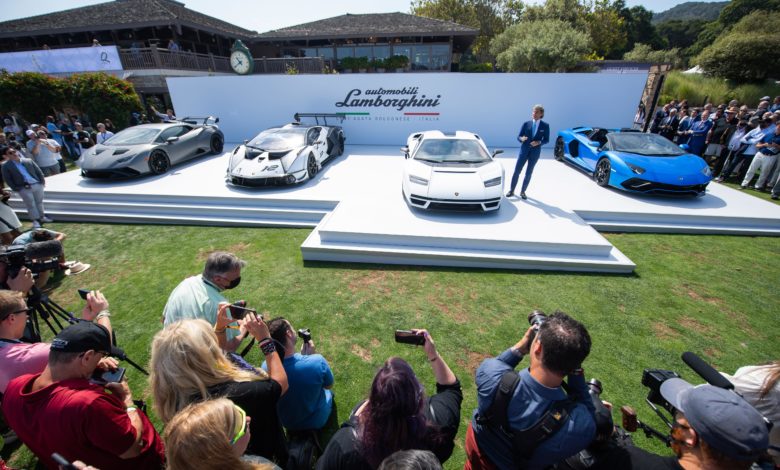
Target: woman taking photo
{"points": [[398, 416], [188, 366], [211, 434]]}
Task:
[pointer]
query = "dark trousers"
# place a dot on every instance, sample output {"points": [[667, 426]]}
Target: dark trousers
{"points": [[735, 160], [531, 157]]}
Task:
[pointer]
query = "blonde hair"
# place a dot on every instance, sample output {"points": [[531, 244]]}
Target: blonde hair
{"points": [[9, 302], [186, 361], [538, 107], [199, 437]]}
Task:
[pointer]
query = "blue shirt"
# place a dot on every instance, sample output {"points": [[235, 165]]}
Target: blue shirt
{"points": [[770, 139], [28, 178], [307, 404], [528, 404]]}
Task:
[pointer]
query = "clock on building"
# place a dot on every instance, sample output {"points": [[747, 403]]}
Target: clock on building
{"points": [[241, 59]]}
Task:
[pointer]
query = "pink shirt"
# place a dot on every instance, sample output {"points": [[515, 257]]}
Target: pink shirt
{"points": [[21, 358]]}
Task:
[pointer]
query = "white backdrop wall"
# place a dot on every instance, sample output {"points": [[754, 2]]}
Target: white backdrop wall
{"points": [[383, 109]]}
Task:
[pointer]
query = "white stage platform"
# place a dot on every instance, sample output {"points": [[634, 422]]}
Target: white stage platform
{"points": [[358, 213]]}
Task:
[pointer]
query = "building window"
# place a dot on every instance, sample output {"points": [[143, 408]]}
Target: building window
{"points": [[421, 58], [347, 51], [363, 51], [440, 57], [309, 52], [381, 52]]}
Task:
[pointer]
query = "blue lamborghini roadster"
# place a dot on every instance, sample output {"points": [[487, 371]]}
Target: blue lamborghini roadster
{"points": [[633, 161]]}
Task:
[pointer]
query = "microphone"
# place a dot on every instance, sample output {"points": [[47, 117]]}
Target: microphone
{"points": [[41, 250], [706, 371]]}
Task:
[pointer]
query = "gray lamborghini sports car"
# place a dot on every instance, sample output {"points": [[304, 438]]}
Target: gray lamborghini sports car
{"points": [[152, 148]]}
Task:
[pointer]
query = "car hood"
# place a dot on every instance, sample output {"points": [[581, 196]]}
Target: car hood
{"points": [[467, 180], [107, 156], [262, 164], [669, 169]]}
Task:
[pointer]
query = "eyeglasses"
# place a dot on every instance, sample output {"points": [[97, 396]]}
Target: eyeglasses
{"points": [[23, 310], [240, 425]]}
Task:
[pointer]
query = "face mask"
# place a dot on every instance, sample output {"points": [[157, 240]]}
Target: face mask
{"points": [[234, 283]]}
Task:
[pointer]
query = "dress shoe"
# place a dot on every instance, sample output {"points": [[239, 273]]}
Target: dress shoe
{"points": [[510, 194], [46, 220], [522, 195]]}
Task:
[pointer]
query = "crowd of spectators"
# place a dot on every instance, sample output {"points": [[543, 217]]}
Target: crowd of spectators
{"points": [[736, 141], [220, 411]]}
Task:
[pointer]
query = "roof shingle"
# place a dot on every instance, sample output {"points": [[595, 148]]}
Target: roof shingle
{"points": [[128, 13], [371, 24]]}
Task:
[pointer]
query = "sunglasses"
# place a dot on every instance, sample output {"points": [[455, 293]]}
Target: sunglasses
{"points": [[240, 425]]}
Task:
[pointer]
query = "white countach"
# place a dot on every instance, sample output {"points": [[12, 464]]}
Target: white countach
{"points": [[451, 171]]}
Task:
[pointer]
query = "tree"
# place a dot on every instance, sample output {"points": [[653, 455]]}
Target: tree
{"points": [[540, 46], [738, 9], [644, 53], [570, 11], [681, 33], [607, 30], [748, 52], [639, 27], [489, 16]]}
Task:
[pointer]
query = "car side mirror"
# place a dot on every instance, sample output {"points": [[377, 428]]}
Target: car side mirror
{"points": [[498, 152], [246, 142], [405, 151], [685, 147], [171, 140], [216, 120]]}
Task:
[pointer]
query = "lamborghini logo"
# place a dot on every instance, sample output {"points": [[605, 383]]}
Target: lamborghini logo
{"points": [[457, 194], [557, 416]]}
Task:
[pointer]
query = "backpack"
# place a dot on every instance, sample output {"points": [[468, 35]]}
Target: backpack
{"points": [[496, 419]]}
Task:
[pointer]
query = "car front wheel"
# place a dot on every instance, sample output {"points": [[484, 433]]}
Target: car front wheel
{"points": [[603, 169], [159, 162], [558, 151], [311, 166]]}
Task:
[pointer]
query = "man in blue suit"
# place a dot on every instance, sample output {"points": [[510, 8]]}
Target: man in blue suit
{"points": [[533, 135]]}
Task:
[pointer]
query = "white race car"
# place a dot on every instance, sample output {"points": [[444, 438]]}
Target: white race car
{"points": [[289, 154], [451, 171]]}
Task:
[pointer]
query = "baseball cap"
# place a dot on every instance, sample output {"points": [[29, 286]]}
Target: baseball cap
{"points": [[733, 109], [720, 417], [84, 336], [29, 133], [765, 98]]}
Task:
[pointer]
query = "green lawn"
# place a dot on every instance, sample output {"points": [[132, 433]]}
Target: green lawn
{"points": [[714, 295]]}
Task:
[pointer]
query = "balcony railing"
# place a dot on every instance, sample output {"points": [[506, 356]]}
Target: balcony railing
{"points": [[157, 58]]}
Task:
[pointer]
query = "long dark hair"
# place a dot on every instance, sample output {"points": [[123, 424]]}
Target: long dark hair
{"points": [[394, 418]]}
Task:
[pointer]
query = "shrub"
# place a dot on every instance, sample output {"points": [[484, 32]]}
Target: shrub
{"points": [[698, 89], [477, 68], [30, 94], [103, 96]]}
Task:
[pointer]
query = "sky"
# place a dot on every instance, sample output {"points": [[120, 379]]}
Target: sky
{"points": [[266, 15]]}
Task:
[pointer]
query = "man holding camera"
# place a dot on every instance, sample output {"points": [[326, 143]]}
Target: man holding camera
{"points": [[62, 410], [308, 403], [18, 358], [540, 424], [713, 429], [199, 296]]}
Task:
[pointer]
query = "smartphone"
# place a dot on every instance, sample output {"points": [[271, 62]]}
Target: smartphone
{"points": [[83, 293], [409, 337], [62, 462], [101, 377], [238, 312]]}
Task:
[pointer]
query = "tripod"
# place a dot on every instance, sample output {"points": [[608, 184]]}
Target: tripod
{"points": [[42, 307]]}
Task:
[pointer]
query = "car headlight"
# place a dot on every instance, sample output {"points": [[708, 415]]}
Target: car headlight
{"points": [[636, 169], [493, 182], [706, 170], [418, 180]]}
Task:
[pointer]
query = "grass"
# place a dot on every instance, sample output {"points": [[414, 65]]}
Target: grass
{"points": [[714, 295], [699, 89]]}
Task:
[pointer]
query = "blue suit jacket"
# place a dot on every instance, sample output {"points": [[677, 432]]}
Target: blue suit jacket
{"points": [[542, 135]]}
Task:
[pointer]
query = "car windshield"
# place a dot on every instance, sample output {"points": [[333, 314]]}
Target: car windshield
{"points": [[644, 144], [279, 139], [451, 150], [133, 136]]}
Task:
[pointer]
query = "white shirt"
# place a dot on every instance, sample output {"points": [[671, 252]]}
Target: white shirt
{"points": [[103, 136]]}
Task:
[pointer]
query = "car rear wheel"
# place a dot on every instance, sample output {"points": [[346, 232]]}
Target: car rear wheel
{"points": [[217, 144], [340, 150], [311, 166], [159, 162], [558, 151], [603, 170]]}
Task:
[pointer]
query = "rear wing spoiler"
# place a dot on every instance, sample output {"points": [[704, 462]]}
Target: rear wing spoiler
{"points": [[317, 116], [200, 121]]}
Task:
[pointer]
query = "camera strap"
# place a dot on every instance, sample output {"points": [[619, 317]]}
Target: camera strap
{"points": [[526, 441]]}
